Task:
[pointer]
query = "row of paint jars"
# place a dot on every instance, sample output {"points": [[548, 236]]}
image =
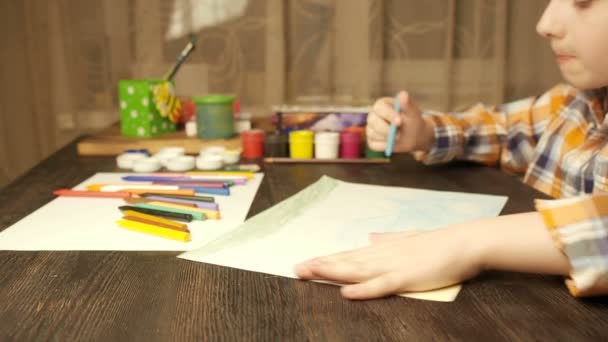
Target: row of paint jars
{"points": [[305, 144], [327, 145]]}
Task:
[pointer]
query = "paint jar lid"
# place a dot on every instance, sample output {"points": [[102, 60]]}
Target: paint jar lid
{"points": [[301, 135], [254, 134], [327, 137], [214, 99], [350, 136], [276, 138]]}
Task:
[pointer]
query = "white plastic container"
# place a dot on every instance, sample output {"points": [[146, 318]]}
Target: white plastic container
{"points": [[327, 145], [146, 165], [181, 163], [232, 156], [212, 150], [126, 160], [166, 153], [209, 162]]}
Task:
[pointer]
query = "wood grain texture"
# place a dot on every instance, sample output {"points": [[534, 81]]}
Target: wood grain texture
{"points": [[153, 296]]}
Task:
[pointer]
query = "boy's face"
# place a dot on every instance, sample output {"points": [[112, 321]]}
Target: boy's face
{"points": [[578, 32]]}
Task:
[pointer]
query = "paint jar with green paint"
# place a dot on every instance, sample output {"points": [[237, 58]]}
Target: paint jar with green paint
{"points": [[371, 154], [215, 116]]}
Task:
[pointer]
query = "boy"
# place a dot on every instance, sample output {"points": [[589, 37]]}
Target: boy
{"points": [[560, 142]]}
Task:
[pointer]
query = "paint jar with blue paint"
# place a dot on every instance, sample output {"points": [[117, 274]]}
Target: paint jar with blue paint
{"points": [[215, 116]]}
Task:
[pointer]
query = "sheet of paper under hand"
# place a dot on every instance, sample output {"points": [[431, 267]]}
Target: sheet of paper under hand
{"points": [[331, 216]]}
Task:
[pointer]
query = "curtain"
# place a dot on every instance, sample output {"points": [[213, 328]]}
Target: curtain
{"points": [[62, 59]]}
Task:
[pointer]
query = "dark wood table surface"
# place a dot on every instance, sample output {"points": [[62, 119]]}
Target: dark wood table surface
{"points": [[150, 296]]}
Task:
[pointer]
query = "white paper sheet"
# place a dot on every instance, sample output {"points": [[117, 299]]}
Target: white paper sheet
{"points": [[69, 223], [332, 216]]}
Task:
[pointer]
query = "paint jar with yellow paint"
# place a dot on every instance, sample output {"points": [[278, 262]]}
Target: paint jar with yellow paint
{"points": [[301, 144]]}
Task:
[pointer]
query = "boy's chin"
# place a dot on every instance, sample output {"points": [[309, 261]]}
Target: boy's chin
{"points": [[584, 82]]}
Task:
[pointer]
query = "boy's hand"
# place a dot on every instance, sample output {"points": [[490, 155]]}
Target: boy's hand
{"points": [[414, 133], [397, 263]]}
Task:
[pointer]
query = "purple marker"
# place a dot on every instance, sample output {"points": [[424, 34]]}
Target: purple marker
{"points": [[202, 205]]}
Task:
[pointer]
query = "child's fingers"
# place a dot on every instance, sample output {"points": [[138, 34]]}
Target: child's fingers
{"points": [[343, 272], [374, 135], [384, 285], [404, 101], [378, 146], [384, 109], [376, 123], [303, 271]]}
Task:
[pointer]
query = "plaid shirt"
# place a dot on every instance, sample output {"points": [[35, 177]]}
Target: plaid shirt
{"points": [[559, 141]]}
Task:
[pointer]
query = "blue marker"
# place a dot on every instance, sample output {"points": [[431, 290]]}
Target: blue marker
{"points": [[392, 131]]}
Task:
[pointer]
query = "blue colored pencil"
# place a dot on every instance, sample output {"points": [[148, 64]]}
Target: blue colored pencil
{"points": [[392, 131], [208, 191]]}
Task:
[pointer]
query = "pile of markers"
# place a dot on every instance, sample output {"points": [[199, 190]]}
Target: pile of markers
{"points": [[159, 204]]}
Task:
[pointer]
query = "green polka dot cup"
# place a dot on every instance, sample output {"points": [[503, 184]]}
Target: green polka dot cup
{"points": [[139, 116]]}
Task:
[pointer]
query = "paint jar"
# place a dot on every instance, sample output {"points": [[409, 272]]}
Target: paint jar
{"points": [[350, 143], [275, 145], [371, 154], [327, 145], [214, 116], [300, 144], [253, 143], [232, 156]]}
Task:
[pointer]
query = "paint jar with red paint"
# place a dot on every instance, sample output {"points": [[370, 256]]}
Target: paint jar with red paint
{"points": [[253, 143], [350, 144]]}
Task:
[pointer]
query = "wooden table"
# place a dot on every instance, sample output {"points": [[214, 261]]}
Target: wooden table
{"points": [[149, 296]]}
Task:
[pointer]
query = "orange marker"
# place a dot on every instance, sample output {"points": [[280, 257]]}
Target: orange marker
{"points": [[92, 194]]}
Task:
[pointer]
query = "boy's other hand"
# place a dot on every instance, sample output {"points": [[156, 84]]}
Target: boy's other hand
{"points": [[398, 262], [415, 133]]}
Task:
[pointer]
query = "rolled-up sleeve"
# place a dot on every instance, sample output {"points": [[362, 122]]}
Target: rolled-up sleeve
{"points": [[579, 227]]}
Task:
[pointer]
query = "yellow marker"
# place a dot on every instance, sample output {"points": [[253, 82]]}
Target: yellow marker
{"points": [[155, 219], [211, 214], [155, 230], [247, 174]]}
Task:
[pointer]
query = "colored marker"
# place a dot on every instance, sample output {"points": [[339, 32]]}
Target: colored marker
{"points": [[92, 194], [392, 130], [195, 184], [158, 220], [210, 214], [211, 191], [148, 200], [120, 187], [208, 199], [150, 229], [199, 204], [184, 217], [153, 178], [247, 174], [185, 210]]}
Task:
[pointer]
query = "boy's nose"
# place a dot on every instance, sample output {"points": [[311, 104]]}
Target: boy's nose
{"points": [[549, 25]]}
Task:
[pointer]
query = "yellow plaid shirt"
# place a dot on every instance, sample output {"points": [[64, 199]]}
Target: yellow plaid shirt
{"points": [[559, 142]]}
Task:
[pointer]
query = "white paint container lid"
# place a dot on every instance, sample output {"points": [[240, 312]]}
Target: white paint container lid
{"points": [[327, 137]]}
